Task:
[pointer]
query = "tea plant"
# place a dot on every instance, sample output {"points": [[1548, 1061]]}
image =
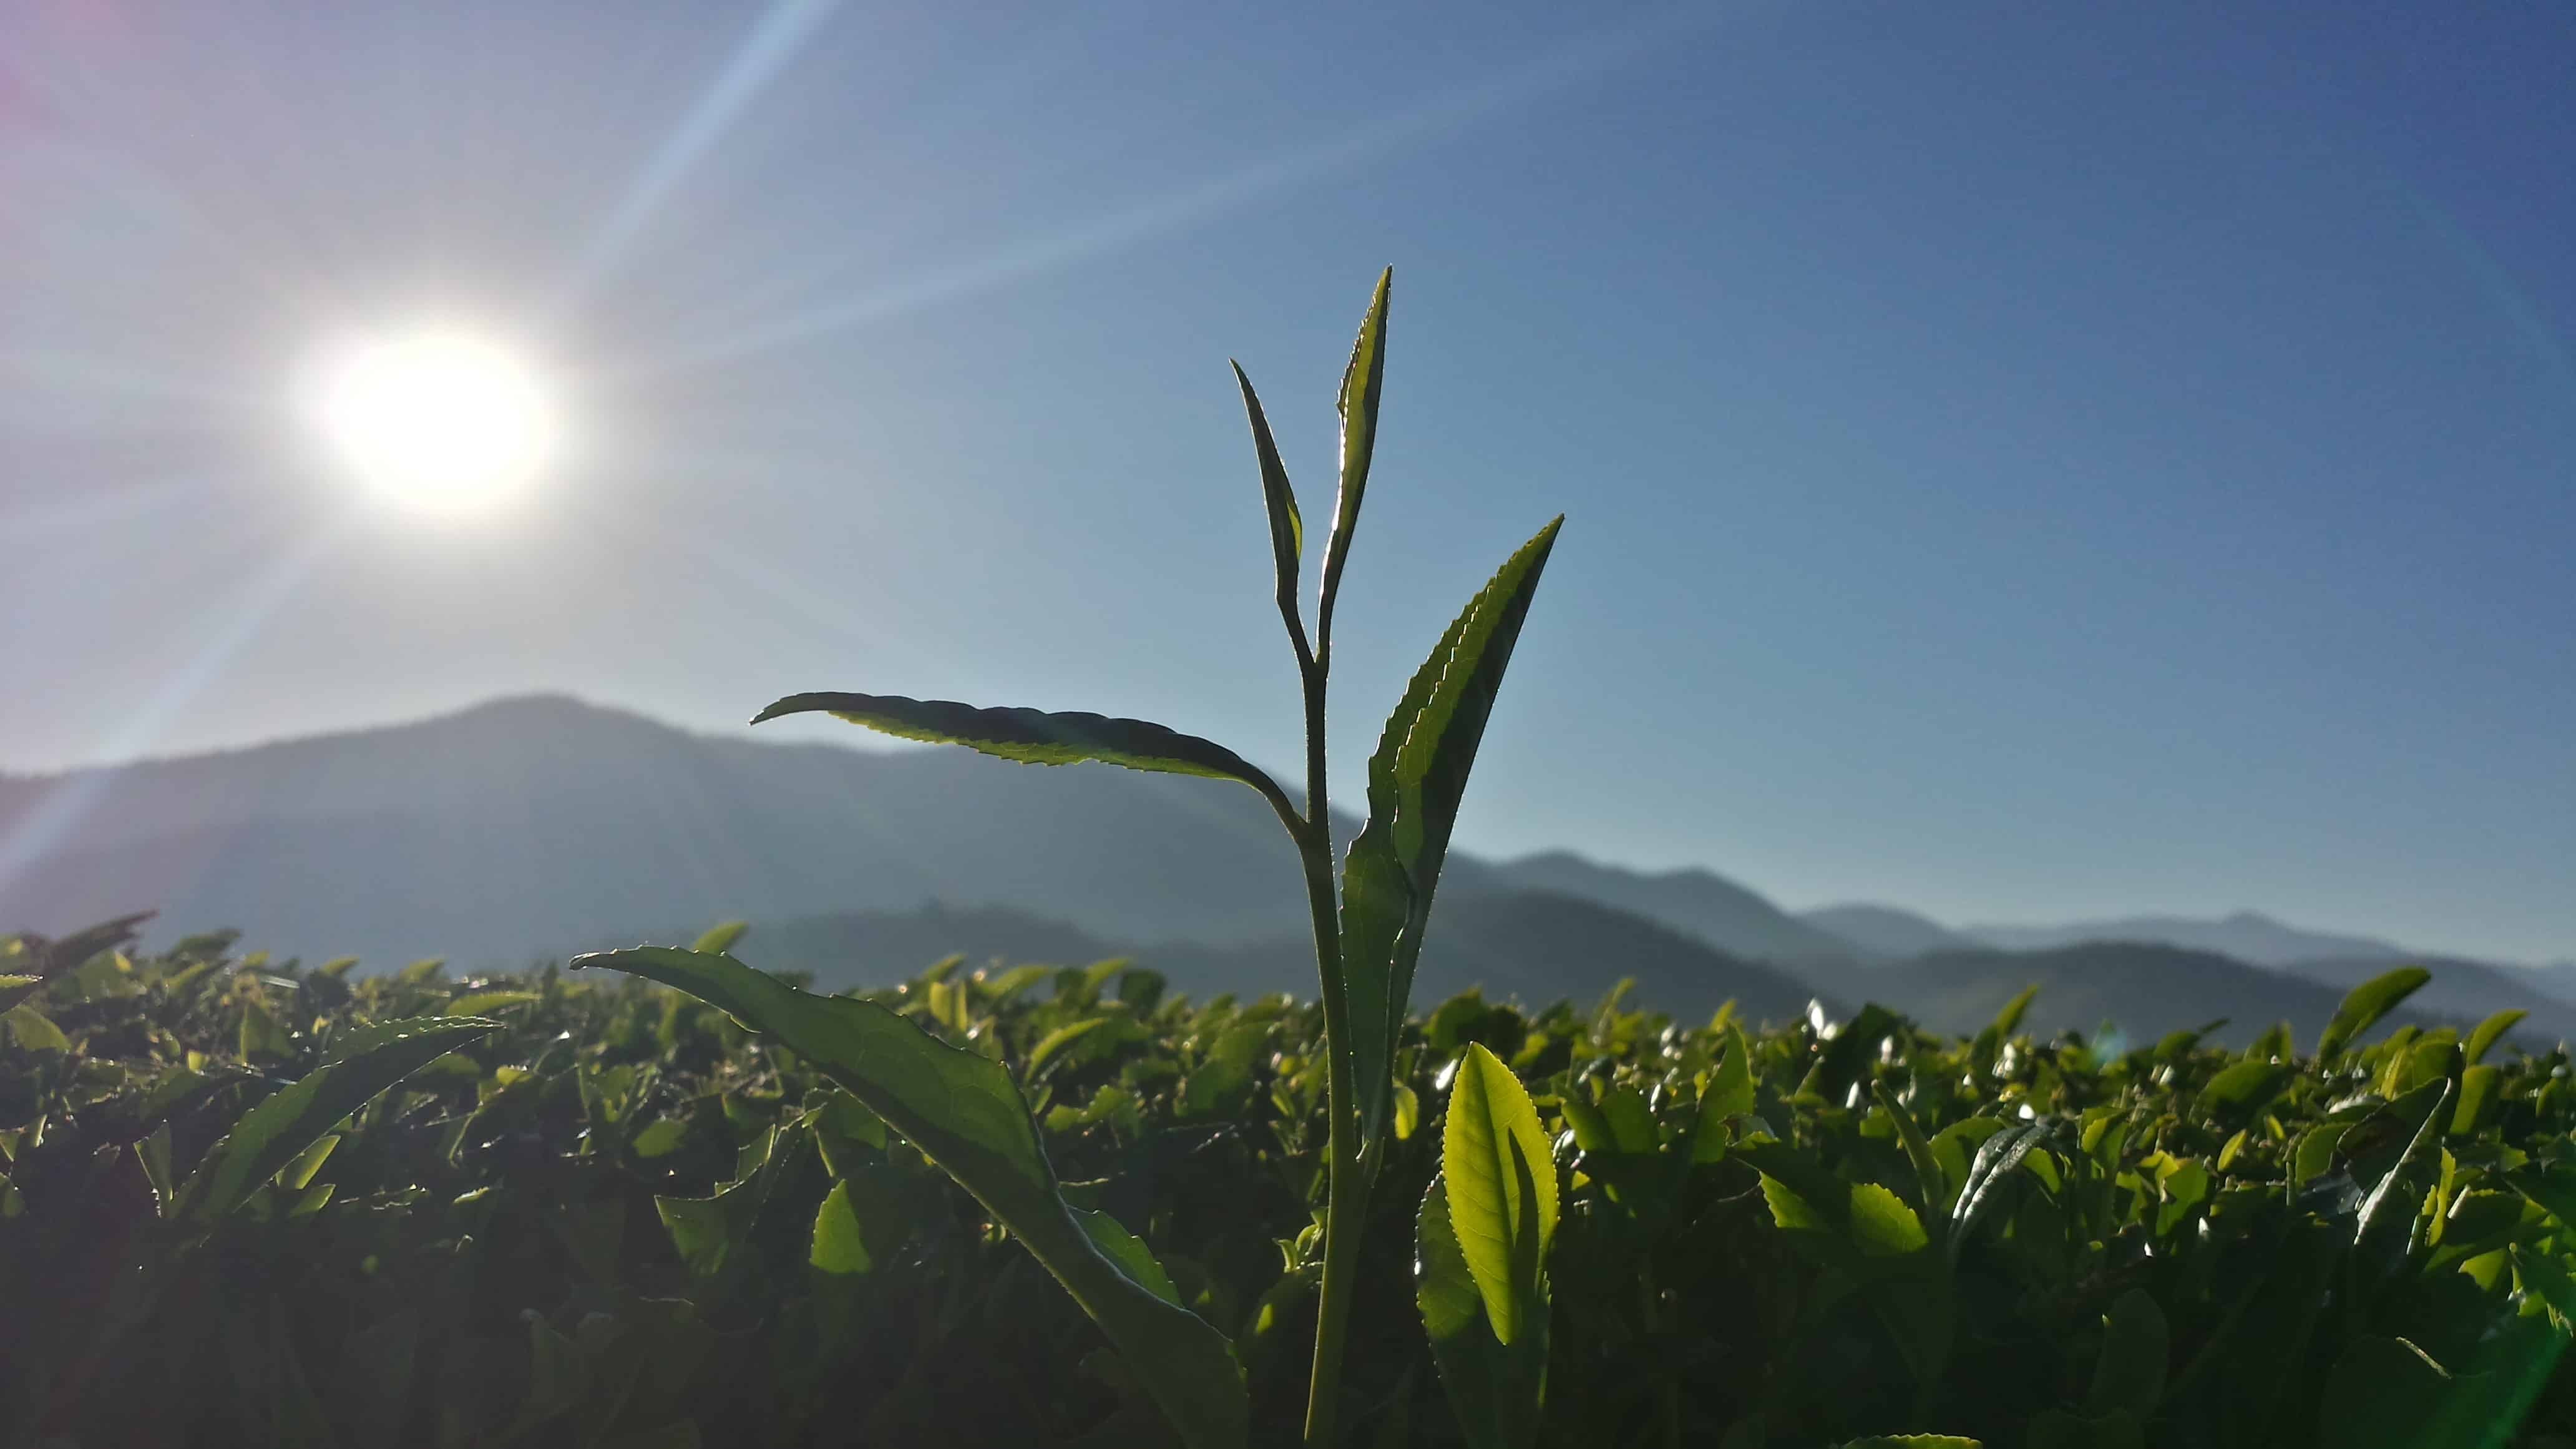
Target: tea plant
{"points": [[610, 1216], [961, 1109]]}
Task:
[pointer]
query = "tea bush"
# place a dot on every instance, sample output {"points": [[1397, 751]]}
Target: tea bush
{"points": [[252, 1202]]}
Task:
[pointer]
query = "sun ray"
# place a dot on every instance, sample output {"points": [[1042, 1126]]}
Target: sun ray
{"points": [[766, 49], [1424, 122]]}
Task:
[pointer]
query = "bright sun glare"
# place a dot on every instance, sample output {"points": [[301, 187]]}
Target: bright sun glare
{"points": [[439, 421]]}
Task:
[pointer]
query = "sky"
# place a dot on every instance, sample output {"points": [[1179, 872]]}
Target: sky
{"points": [[2020, 463]]}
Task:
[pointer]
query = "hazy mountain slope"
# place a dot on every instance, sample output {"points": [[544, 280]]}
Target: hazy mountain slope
{"points": [[1526, 944], [535, 825], [2147, 989], [1696, 902], [2246, 935], [1885, 930], [2460, 988]]}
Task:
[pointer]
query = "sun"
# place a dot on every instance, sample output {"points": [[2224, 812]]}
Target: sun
{"points": [[436, 420]]}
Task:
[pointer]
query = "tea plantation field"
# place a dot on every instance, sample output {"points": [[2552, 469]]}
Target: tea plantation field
{"points": [[256, 1202]]}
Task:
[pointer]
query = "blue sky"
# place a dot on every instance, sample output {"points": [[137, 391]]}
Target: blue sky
{"points": [[2020, 462]]}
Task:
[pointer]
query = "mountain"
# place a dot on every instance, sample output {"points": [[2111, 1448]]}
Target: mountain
{"points": [[2148, 990], [1885, 930], [1532, 945], [537, 825], [2246, 935], [1696, 902], [2472, 989]]}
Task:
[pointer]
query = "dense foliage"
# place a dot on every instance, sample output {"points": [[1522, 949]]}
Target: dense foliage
{"points": [[592, 1210]]}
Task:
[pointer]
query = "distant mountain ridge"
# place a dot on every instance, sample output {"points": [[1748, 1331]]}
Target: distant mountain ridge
{"points": [[2245, 935], [531, 827]]}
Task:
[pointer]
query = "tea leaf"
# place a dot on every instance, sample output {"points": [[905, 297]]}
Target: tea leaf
{"points": [[1287, 526], [1363, 381], [1416, 780], [1036, 737], [1495, 1389], [964, 1113], [2490, 1031], [274, 1133], [2366, 1004], [1502, 1188]]}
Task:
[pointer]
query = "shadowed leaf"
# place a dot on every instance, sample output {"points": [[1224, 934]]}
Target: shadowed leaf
{"points": [[964, 1113], [274, 1133], [1035, 737]]}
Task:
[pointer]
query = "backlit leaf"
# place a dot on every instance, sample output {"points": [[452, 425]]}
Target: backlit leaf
{"points": [[1415, 783], [1495, 1389], [1502, 1188], [2365, 1005]]}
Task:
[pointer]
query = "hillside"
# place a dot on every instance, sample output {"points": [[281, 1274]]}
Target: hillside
{"points": [[1886, 931], [538, 825], [2148, 990], [1696, 902], [1531, 945], [2245, 935]]}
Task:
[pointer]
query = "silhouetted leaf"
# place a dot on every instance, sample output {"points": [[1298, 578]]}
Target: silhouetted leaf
{"points": [[964, 1113], [1035, 737], [1416, 780]]}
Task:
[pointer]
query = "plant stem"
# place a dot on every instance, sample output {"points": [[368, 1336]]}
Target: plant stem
{"points": [[1345, 1191]]}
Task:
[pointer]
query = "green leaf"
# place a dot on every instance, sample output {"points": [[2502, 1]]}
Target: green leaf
{"points": [[2392, 1203], [296, 1175], [2136, 1350], [1287, 526], [2546, 1277], [720, 937], [840, 1246], [15, 988], [1931, 1183], [2366, 1004], [1036, 737], [2478, 1088], [964, 1113], [2492, 1030], [484, 1003], [1416, 780], [1912, 1441], [1994, 1163], [34, 1031], [2008, 1020], [274, 1133], [2240, 1091], [1129, 1252], [1363, 382], [1502, 1188], [1495, 1389]]}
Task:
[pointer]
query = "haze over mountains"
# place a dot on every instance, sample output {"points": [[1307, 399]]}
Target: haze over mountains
{"points": [[538, 826]]}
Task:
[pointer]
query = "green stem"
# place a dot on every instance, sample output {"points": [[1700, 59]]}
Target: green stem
{"points": [[1345, 1188]]}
